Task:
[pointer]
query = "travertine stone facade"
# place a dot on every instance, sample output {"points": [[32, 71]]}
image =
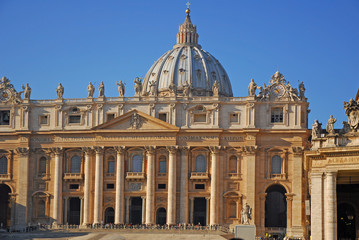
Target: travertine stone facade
{"points": [[171, 154], [333, 166]]}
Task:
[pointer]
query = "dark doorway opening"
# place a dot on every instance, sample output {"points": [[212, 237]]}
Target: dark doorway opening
{"points": [[276, 207], [5, 209], [199, 211], [74, 211], [346, 210], [161, 216], [136, 210], [109, 215]]}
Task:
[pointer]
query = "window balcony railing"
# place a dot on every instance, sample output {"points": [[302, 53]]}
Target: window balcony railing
{"points": [[235, 176], [73, 176], [199, 176], [109, 175], [280, 176], [135, 175], [5, 177], [43, 176]]}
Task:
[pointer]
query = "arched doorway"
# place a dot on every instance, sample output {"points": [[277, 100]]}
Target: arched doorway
{"points": [[161, 216], [109, 215], [276, 207], [346, 222], [5, 210]]}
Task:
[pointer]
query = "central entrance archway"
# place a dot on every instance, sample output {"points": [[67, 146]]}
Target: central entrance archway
{"points": [[276, 207], [74, 211], [161, 216], [136, 210], [5, 209], [199, 211]]}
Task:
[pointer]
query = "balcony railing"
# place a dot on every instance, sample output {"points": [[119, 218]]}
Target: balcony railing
{"points": [[109, 175], [280, 176], [234, 175], [135, 175], [199, 176], [5, 177], [73, 176]]}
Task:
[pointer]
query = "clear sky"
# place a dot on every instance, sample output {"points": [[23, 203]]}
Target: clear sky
{"points": [[74, 42]]}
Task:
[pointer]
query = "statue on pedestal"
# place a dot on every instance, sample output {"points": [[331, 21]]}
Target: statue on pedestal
{"points": [[301, 90], [316, 129], [60, 91], [121, 88], [101, 90], [246, 214], [330, 125], [137, 86], [27, 91], [215, 89], [252, 87], [90, 90]]}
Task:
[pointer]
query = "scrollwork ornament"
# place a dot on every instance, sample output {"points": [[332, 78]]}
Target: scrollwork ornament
{"points": [[120, 149]]}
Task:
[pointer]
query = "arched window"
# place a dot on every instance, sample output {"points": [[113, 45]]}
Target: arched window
{"points": [[75, 164], [3, 165], [276, 165], [111, 165], [200, 163], [41, 208], [163, 164], [233, 164], [42, 165], [137, 163]]}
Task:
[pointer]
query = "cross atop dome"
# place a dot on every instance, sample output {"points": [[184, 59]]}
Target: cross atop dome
{"points": [[187, 33]]}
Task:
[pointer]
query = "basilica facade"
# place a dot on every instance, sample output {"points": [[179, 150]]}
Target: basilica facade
{"points": [[182, 150]]}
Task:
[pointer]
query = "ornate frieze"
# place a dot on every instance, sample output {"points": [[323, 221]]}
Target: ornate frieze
{"points": [[22, 151]]}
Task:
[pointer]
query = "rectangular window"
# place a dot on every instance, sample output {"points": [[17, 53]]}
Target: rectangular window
{"points": [[200, 118], [3, 165], [110, 186], [161, 186], [199, 186], [44, 120], [74, 186], [162, 116], [5, 117], [111, 167], [75, 119], [277, 115], [234, 118], [110, 116]]}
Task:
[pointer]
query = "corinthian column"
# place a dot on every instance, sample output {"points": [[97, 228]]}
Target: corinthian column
{"points": [[120, 186], [150, 196], [214, 186], [183, 208], [171, 202], [57, 205], [22, 199], [86, 209], [98, 185]]}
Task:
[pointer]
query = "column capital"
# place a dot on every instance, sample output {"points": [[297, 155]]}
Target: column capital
{"points": [[143, 197], [172, 149], [331, 173], [56, 150], [184, 149], [99, 150], [298, 150], [214, 149], [87, 150], [22, 151], [289, 196], [250, 150], [150, 149], [120, 149], [316, 175]]}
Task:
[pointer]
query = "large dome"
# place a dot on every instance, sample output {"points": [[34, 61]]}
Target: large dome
{"points": [[187, 64]]}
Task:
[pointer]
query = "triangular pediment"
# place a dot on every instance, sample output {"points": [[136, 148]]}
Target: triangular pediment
{"points": [[136, 121]]}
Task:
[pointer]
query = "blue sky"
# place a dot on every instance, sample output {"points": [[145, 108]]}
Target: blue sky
{"points": [[74, 42]]}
